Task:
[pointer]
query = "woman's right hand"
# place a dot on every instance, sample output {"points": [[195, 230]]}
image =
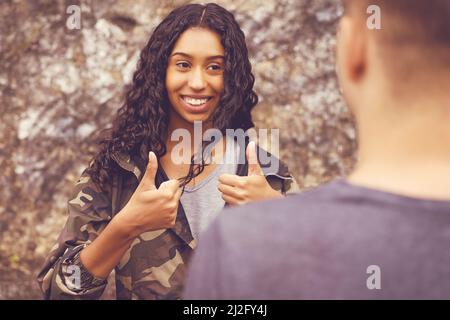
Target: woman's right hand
{"points": [[150, 208]]}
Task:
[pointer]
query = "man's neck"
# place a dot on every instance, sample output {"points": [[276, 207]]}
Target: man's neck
{"points": [[430, 181], [406, 156]]}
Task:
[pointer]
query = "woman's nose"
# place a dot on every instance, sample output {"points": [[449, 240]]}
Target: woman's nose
{"points": [[197, 79]]}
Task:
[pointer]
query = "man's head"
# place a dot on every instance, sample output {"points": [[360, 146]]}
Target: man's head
{"points": [[402, 63], [396, 81]]}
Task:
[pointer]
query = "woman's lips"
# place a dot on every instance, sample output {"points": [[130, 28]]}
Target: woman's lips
{"points": [[195, 108]]}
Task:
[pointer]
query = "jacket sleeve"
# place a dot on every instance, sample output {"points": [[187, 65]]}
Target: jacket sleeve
{"points": [[291, 186], [277, 173], [89, 212], [282, 181]]}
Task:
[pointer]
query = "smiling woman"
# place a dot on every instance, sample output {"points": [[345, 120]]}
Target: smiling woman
{"points": [[194, 79], [135, 209]]}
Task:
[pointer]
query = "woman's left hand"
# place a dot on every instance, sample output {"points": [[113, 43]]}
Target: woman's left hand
{"points": [[238, 190]]}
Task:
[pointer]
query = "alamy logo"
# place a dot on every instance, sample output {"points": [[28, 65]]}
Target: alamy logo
{"points": [[74, 280], [182, 150], [74, 20], [374, 20], [374, 280]]}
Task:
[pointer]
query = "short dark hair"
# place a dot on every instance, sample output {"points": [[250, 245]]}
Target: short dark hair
{"points": [[414, 37], [410, 21]]}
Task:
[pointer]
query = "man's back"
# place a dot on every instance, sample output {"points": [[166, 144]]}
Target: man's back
{"points": [[335, 242], [344, 241]]}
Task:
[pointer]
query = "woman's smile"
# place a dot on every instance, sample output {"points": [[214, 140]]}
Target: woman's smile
{"points": [[196, 104]]}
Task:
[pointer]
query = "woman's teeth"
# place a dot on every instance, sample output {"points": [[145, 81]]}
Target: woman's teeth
{"points": [[195, 102]]}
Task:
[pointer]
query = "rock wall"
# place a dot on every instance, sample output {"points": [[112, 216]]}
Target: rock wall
{"points": [[58, 86]]}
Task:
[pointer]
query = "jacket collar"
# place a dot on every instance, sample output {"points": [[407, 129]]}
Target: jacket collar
{"points": [[136, 165], [130, 164], [281, 170]]}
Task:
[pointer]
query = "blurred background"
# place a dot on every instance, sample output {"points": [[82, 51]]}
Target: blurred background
{"points": [[59, 86]]}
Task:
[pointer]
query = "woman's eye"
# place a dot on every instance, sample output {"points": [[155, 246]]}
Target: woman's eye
{"points": [[215, 67], [182, 65]]}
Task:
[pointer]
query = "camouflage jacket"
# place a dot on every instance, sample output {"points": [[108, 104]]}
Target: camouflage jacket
{"points": [[154, 266]]}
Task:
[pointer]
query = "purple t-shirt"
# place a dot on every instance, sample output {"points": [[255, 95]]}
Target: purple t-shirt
{"points": [[339, 241]]}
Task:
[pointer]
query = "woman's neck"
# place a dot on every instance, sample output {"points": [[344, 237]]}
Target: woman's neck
{"points": [[188, 137]]}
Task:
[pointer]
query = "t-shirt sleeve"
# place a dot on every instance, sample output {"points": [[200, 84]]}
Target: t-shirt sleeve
{"points": [[204, 273]]}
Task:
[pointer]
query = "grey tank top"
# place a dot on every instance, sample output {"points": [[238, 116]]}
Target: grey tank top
{"points": [[203, 202]]}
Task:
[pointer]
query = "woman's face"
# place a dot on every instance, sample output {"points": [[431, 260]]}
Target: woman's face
{"points": [[194, 79]]}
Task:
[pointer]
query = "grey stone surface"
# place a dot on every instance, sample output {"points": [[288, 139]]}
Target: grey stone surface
{"points": [[58, 86]]}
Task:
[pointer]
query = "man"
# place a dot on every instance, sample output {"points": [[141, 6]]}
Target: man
{"points": [[384, 231]]}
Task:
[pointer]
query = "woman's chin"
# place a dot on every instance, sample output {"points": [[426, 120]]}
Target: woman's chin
{"points": [[202, 118], [188, 118], [193, 117]]}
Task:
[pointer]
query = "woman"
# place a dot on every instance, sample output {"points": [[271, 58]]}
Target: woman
{"points": [[129, 211]]}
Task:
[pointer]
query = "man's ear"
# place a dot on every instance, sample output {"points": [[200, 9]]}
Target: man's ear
{"points": [[352, 49]]}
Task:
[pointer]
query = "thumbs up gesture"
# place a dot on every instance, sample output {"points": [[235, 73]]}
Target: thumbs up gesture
{"points": [[238, 190], [150, 208]]}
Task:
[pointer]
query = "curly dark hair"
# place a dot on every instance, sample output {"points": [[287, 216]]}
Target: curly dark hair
{"points": [[141, 124]]}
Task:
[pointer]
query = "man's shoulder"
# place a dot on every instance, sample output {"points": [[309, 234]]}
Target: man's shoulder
{"points": [[292, 203], [300, 209]]}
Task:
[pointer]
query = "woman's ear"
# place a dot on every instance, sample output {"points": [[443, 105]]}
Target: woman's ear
{"points": [[351, 50]]}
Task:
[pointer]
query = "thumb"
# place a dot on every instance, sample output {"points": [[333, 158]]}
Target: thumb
{"points": [[171, 186], [148, 180], [253, 165]]}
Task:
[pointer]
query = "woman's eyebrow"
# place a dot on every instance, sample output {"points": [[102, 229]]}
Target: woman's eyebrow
{"points": [[216, 57], [190, 57]]}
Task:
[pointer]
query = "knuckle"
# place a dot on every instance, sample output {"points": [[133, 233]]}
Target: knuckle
{"points": [[172, 221], [166, 194], [173, 205], [242, 183], [167, 207], [173, 195]]}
